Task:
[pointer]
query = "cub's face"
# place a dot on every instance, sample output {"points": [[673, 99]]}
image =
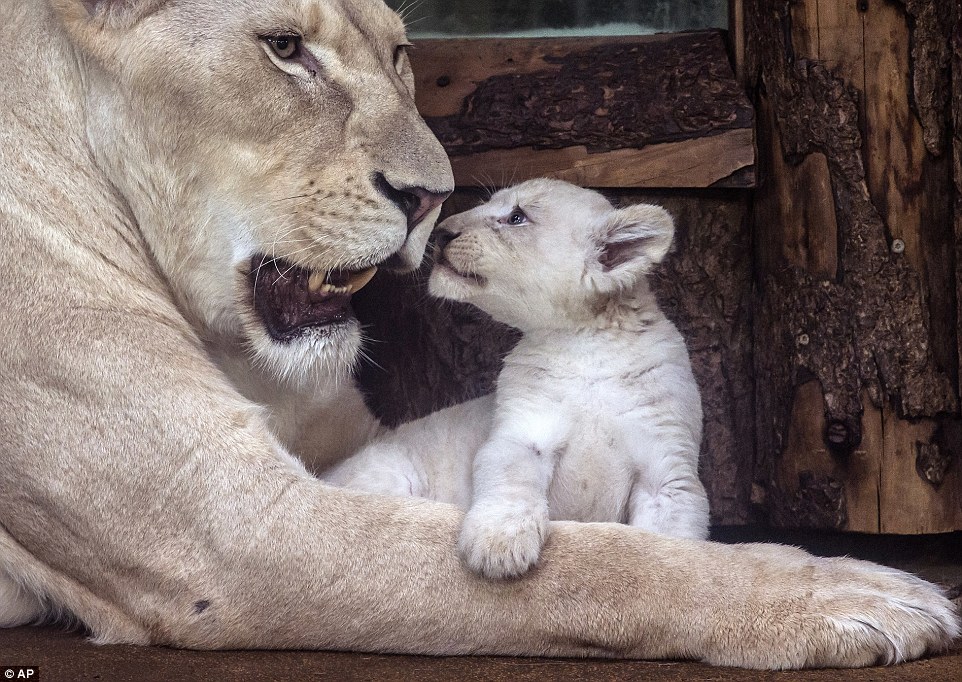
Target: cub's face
{"points": [[547, 253], [271, 153]]}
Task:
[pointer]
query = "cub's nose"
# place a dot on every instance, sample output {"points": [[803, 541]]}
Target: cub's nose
{"points": [[444, 237], [414, 202]]}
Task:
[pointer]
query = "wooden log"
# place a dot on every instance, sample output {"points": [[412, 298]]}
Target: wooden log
{"points": [[716, 160], [636, 111], [856, 318], [425, 354], [736, 32], [956, 127]]}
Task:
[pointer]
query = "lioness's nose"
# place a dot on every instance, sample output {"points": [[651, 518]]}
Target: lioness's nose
{"points": [[414, 202]]}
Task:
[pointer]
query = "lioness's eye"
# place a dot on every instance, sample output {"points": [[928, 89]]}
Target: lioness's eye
{"points": [[285, 47], [400, 52], [516, 217]]}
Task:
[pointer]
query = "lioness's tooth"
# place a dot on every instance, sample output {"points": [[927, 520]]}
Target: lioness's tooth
{"points": [[359, 280], [315, 281]]}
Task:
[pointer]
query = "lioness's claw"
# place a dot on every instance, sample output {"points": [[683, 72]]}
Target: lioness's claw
{"points": [[837, 613]]}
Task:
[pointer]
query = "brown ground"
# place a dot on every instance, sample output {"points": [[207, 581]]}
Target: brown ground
{"points": [[63, 656], [68, 656]]}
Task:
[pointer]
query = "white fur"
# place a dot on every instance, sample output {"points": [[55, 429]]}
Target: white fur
{"points": [[597, 415], [18, 605]]}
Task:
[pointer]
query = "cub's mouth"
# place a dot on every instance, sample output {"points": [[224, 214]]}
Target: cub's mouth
{"points": [[443, 264], [292, 300]]}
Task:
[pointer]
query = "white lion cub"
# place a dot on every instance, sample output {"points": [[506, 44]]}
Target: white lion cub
{"points": [[596, 416]]}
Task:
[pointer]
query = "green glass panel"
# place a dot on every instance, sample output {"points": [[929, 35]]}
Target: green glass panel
{"points": [[555, 18]]}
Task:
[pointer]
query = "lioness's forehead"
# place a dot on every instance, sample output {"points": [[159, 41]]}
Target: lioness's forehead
{"points": [[323, 19]]}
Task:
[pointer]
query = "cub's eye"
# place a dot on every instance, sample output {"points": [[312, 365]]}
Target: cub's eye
{"points": [[285, 46], [516, 217]]}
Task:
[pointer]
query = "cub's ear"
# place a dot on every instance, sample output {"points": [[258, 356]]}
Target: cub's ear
{"points": [[631, 241]]}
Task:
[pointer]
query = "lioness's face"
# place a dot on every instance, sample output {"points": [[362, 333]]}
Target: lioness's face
{"points": [[271, 153]]}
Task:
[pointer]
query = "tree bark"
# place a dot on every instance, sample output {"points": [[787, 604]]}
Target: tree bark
{"points": [[856, 323], [632, 111]]}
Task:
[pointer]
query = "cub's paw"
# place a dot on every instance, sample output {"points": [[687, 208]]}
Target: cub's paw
{"points": [[840, 613], [502, 541]]}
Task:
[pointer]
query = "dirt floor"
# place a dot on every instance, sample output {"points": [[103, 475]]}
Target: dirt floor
{"points": [[68, 656]]}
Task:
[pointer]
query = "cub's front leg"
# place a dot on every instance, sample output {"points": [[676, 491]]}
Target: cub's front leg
{"points": [[505, 528]]}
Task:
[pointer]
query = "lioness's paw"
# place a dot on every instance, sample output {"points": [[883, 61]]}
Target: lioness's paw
{"points": [[891, 618], [820, 612], [502, 542]]}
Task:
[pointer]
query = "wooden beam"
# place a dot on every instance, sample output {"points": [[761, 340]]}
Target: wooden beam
{"points": [[699, 162], [736, 29], [636, 111]]}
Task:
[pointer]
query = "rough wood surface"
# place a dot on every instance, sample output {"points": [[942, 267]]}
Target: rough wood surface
{"points": [[425, 354], [956, 120], [601, 100], [931, 65], [726, 159], [855, 315], [736, 33]]}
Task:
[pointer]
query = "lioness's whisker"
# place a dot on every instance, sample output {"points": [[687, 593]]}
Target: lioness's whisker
{"points": [[292, 198], [404, 11]]}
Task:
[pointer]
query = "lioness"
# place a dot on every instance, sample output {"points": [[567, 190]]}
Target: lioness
{"points": [[596, 416], [179, 181]]}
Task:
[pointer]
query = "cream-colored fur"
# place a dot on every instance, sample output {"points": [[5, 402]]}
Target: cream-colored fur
{"points": [[597, 415], [149, 425]]}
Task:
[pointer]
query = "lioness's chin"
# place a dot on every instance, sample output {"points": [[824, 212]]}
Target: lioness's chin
{"points": [[315, 357], [298, 322]]}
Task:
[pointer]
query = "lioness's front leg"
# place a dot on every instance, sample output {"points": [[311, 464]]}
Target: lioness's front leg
{"points": [[227, 546]]}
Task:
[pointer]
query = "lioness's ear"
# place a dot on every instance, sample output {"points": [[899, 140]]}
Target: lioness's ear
{"points": [[631, 241]]}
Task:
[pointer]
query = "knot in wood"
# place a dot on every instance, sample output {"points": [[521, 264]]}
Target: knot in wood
{"points": [[932, 462], [842, 437], [837, 433]]}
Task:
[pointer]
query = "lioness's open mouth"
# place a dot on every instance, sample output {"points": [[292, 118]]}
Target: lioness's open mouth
{"points": [[291, 300]]}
